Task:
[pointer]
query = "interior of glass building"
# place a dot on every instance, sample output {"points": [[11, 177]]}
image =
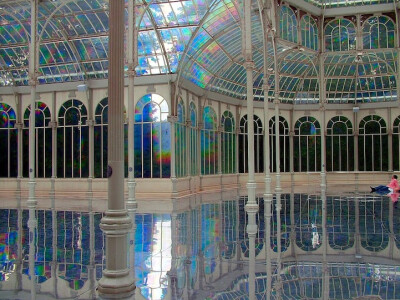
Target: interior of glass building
{"points": [[199, 149]]}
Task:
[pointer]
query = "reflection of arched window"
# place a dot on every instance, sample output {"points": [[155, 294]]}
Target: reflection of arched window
{"points": [[285, 224], [378, 32], [43, 138], [180, 141], [308, 213], [8, 142], [374, 218], [339, 144], [193, 140], [309, 32], [229, 229], [209, 142], [101, 140], [228, 143], [288, 24], [283, 144], [373, 144], [307, 145], [72, 140], [258, 145], [341, 226], [396, 144], [340, 35], [210, 224], [152, 138]]}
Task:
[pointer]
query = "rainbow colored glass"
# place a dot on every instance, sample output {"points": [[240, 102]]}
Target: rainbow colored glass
{"points": [[7, 116]]}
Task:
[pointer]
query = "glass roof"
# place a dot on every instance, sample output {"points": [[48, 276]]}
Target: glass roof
{"points": [[201, 41]]}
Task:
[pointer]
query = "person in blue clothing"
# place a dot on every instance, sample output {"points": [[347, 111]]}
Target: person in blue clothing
{"points": [[392, 187]]}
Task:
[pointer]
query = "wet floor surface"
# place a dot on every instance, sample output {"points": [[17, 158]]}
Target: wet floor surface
{"points": [[308, 245]]}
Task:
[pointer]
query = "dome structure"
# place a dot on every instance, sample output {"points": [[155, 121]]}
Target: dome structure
{"points": [[346, 50]]}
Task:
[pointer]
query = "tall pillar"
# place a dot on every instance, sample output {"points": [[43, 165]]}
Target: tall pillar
{"points": [[251, 205], [173, 120], [53, 126], [390, 140], [356, 133], [278, 188], [20, 126], [116, 223], [32, 82], [267, 167], [32, 202], [90, 123], [131, 58], [219, 132], [199, 129], [322, 100]]}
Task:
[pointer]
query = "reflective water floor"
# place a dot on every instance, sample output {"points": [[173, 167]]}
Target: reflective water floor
{"points": [[308, 246]]}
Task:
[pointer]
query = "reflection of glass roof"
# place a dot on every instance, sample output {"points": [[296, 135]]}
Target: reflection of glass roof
{"points": [[201, 41]]}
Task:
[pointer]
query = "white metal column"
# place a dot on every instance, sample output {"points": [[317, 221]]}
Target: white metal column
{"points": [[116, 223], [131, 203]]}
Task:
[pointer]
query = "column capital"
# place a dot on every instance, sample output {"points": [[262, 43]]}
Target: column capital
{"points": [[188, 123], [19, 125], [172, 119], [131, 72], [90, 123], [266, 87], [53, 124], [249, 65], [291, 133], [276, 102], [200, 126]]}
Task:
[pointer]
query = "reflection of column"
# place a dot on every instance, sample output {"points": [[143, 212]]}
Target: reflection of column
{"points": [[237, 132], [92, 266], [200, 250], [189, 250], [278, 208], [172, 273], [32, 225], [357, 229], [54, 264], [267, 217], [392, 240], [19, 260], [116, 222], [325, 267]]}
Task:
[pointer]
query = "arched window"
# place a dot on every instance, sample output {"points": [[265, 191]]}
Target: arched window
{"points": [[373, 144], [339, 144], [43, 141], [396, 144], [288, 24], [340, 35], [258, 145], [101, 140], [152, 138], [341, 212], [209, 142], [309, 32], [180, 141], [283, 145], [307, 145], [228, 143], [8, 142], [193, 140], [378, 32], [308, 212], [72, 140]]}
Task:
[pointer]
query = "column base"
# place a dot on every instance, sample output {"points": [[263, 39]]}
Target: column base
{"points": [[116, 285]]}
